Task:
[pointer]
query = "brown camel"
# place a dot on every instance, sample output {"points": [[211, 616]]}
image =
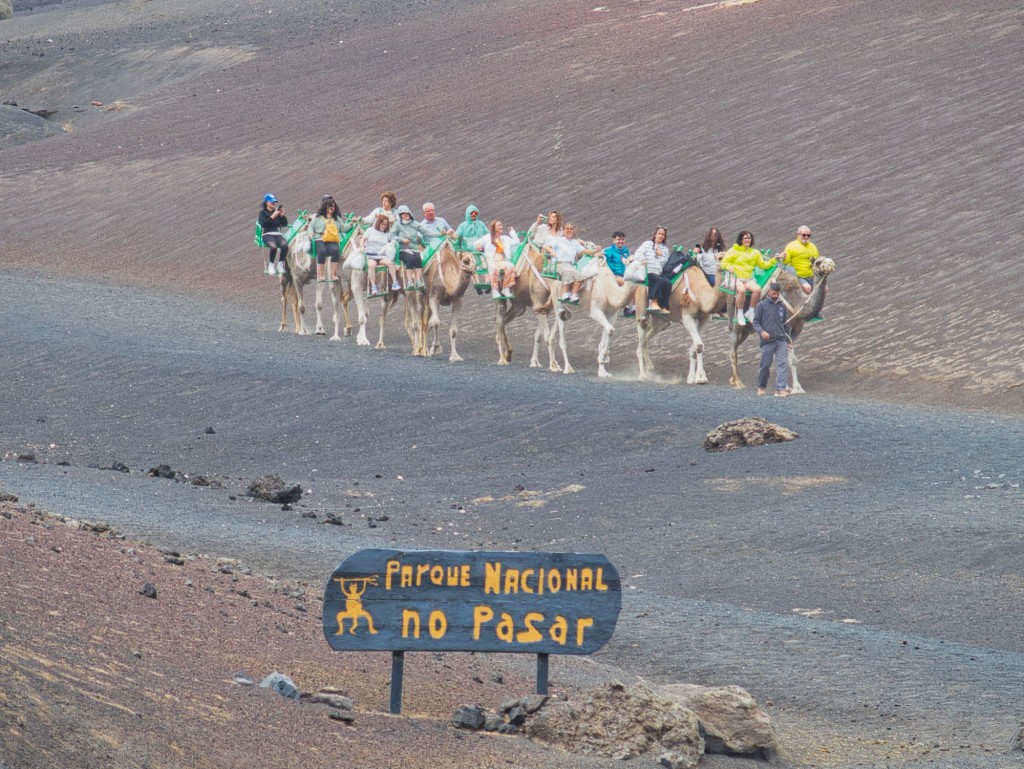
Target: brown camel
{"points": [[532, 292], [692, 302], [447, 276], [801, 307]]}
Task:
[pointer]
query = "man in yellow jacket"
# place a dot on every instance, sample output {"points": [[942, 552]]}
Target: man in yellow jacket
{"points": [[800, 255]]}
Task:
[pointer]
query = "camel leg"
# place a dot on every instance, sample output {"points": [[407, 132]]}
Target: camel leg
{"points": [[299, 312], [561, 320], [795, 388], [434, 327], [540, 333], [336, 306], [734, 359], [284, 310], [319, 307], [645, 331], [603, 347], [388, 302], [359, 294], [453, 330], [696, 374]]}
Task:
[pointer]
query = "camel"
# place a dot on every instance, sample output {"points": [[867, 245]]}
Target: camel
{"points": [[602, 298], [692, 302], [447, 277], [531, 291], [357, 281], [801, 307], [302, 271]]}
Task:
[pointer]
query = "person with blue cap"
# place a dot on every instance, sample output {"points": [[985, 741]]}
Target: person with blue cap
{"points": [[272, 219]]}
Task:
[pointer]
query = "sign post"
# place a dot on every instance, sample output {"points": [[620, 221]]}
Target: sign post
{"points": [[447, 600]]}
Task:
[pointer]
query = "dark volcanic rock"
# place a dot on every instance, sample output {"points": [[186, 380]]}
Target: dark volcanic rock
{"points": [[270, 488], [749, 431]]}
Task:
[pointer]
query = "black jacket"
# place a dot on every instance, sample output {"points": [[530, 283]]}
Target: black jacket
{"points": [[272, 225]]}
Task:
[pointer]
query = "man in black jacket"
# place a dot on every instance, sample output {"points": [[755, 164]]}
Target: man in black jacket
{"points": [[770, 323]]}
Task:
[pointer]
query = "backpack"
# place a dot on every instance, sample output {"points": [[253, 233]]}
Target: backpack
{"points": [[331, 234], [674, 264]]}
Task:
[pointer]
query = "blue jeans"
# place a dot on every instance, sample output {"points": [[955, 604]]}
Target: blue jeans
{"points": [[777, 349]]}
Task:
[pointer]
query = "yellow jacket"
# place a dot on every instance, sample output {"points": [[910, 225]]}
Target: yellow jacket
{"points": [[741, 260], [801, 258]]}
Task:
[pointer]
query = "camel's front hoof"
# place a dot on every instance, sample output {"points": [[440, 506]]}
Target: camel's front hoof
{"points": [[535, 364], [283, 327], [348, 332], [569, 370], [603, 373], [379, 346], [455, 358], [335, 338], [320, 332]]}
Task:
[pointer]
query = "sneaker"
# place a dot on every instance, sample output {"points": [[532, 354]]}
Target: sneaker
{"points": [[575, 298], [374, 290], [565, 297], [761, 391], [782, 393], [420, 283], [507, 293], [495, 294], [740, 319], [750, 314], [282, 268], [629, 312], [396, 286], [479, 291], [268, 269]]}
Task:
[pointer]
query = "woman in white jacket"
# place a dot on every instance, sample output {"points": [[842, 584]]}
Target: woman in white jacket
{"points": [[497, 247]]}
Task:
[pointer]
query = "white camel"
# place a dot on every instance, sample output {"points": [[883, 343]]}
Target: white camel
{"points": [[301, 272]]}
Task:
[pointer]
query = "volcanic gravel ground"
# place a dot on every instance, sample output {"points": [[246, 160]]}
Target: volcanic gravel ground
{"points": [[867, 586]]}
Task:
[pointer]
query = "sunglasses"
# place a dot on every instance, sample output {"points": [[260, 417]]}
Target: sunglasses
{"points": [[804, 235]]}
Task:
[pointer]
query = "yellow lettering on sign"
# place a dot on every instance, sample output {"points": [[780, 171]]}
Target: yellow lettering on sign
{"points": [[437, 624], [492, 578], [581, 625], [511, 581], [524, 581], [410, 616], [559, 630], [464, 575], [421, 569], [554, 581], [391, 568], [452, 577], [586, 579], [600, 579], [481, 614], [531, 633], [571, 579], [437, 575], [505, 627], [406, 576]]}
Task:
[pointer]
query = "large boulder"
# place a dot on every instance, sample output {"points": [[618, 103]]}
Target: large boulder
{"points": [[731, 721], [620, 722]]}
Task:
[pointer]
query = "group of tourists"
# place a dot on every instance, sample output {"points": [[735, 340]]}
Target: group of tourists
{"points": [[392, 230]]}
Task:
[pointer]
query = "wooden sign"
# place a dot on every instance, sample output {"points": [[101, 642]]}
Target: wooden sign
{"points": [[447, 600]]}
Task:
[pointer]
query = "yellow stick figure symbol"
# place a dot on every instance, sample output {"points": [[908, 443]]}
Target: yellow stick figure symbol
{"points": [[353, 590]]}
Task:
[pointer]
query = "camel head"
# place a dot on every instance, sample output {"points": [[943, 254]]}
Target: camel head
{"points": [[823, 266]]}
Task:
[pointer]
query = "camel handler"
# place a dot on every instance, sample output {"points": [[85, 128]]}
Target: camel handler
{"points": [[770, 323], [800, 255]]}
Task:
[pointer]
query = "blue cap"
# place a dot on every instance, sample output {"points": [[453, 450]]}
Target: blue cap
{"points": [[269, 198]]}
